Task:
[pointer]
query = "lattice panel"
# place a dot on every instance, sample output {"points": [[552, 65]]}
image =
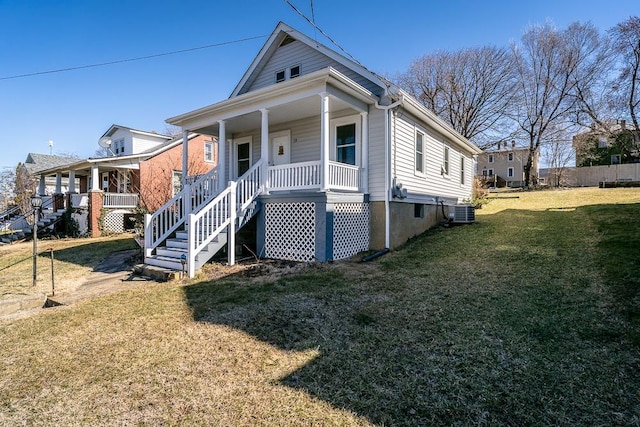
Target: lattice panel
{"points": [[350, 229], [114, 222], [290, 231]]}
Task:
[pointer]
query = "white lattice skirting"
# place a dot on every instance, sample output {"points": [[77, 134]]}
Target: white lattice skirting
{"points": [[350, 229], [290, 231], [114, 221]]}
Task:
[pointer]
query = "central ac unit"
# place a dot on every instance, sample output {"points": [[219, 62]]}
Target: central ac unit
{"points": [[462, 214]]}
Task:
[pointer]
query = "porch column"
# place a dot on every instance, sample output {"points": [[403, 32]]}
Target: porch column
{"points": [[324, 141], [95, 178], [364, 176], [72, 182], [58, 183], [41, 186], [222, 155], [264, 149], [185, 157], [95, 202]]}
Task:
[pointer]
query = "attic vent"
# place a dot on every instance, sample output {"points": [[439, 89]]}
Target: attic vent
{"points": [[287, 39]]}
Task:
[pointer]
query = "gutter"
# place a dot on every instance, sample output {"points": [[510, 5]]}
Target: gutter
{"points": [[387, 164]]}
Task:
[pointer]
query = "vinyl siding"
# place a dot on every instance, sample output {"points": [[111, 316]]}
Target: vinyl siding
{"points": [[376, 154], [432, 182], [309, 60]]}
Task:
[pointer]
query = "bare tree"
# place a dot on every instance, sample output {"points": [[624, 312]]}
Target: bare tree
{"points": [[557, 154], [548, 62], [626, 44], [472, 90]]}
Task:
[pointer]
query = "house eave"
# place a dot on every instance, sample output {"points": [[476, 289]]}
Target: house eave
{"points": [[319, 80]]}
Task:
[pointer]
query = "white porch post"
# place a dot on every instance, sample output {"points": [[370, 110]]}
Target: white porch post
{"points": [[95, 178], [231, 237], [324, 141], [364, 175], [58, 183], [72, 182], [222, 155], [185, 156], [264, 149], [41, 186]]}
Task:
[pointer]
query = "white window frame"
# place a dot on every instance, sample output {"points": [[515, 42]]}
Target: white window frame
{"points": [[236, 143], [490, 158], [490, 172], [422, 171], [291, 76], [175, 174], [462, 169], [342, 121], [510, 172], [510, 157], [209, 145], [446, 162], [284, 76]]}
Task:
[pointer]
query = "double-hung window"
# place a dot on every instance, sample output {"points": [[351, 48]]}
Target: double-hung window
{"points": [[462, 170], [419, 167], [445, 161], [208, 152], [346, 144]]}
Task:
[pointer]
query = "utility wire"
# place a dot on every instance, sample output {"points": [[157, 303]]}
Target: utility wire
{"points": [[313, 18], [140, 58]]}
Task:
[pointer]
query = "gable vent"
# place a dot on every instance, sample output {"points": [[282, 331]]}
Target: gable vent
{"points": [[287, 39]]}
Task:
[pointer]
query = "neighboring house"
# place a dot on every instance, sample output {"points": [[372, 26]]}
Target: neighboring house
{"points": [[35, 163], [504, 166], [329, 159], [137, 169], [613, 145]]}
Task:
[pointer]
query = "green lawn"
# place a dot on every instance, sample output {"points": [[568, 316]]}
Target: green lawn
{"points": [[528, 317]]}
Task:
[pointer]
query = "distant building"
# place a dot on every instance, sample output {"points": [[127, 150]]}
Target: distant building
{"points": [[504, 166], [612, 144]]}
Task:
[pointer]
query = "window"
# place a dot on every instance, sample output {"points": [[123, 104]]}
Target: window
{"points": [[346, 144], [208, 152], [244, 158], [462, 170], [105, 181], [602, 142], [615, 159], [176, 181], [445, 162], [419, 152], [490, 172], [490, 158], [510, 157], [118, 146], [280, 76], [294, 72], [289, 73], [418, 210], [510, 172]]}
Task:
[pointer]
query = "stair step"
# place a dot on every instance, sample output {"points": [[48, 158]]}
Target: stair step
{"points": [[178, 243], [164, 262]]}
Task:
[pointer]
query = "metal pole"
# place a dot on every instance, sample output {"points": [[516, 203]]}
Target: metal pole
{"points": [[35, 245], [53, 286]]}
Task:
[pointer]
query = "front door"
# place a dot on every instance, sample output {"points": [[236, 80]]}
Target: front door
{"points": [[280, 148]]}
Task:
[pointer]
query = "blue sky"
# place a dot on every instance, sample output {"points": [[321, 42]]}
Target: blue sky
{"points": [[75, 108]]}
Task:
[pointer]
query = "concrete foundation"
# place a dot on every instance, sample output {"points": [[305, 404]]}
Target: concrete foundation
{"points": [[407, 220]]}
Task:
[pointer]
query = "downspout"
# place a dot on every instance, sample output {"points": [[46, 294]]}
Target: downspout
{"points": [[387, 165]]}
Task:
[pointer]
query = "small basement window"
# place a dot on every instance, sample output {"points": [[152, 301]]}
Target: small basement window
{"points": [[418, 210]]}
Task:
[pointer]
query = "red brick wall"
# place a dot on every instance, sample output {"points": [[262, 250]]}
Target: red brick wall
{"points": [[155, 178]]}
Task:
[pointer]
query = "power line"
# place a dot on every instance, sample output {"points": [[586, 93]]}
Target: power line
{"points": [[140, 58]]}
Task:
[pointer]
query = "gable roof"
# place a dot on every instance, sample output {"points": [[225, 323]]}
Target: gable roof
{"points": [[114, 128], [279, 34], [37, 162]]}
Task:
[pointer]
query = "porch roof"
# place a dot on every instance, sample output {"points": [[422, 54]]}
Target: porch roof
{"points": [[298, 91]]}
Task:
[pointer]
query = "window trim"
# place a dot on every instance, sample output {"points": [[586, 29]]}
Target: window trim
{"points": [[462, 170], [176, 174], [423, 169], [343, 121], [490, 158], [446, 162], [204, 154], [299, 67], [510, 157], [284, 76], [510, 172]]}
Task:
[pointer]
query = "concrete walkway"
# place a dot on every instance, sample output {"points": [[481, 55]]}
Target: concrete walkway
{"points": [[113, 274]]}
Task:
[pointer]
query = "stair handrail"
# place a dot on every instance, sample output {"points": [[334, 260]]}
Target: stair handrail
{"points": [[204, 188], [8, 212], [164, 221], [207, 223]]}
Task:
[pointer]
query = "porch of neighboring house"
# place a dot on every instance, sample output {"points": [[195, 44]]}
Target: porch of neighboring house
{"points": [[103, 198], [298, 162]]}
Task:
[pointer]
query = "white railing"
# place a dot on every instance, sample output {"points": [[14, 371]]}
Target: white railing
{"points": [[248, 186], [295, 176], [203, 189], [79, 200], [120, 200], [166, 220], [343, 176]]}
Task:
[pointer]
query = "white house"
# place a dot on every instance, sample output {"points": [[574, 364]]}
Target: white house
{"points": [[330, 159]]}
